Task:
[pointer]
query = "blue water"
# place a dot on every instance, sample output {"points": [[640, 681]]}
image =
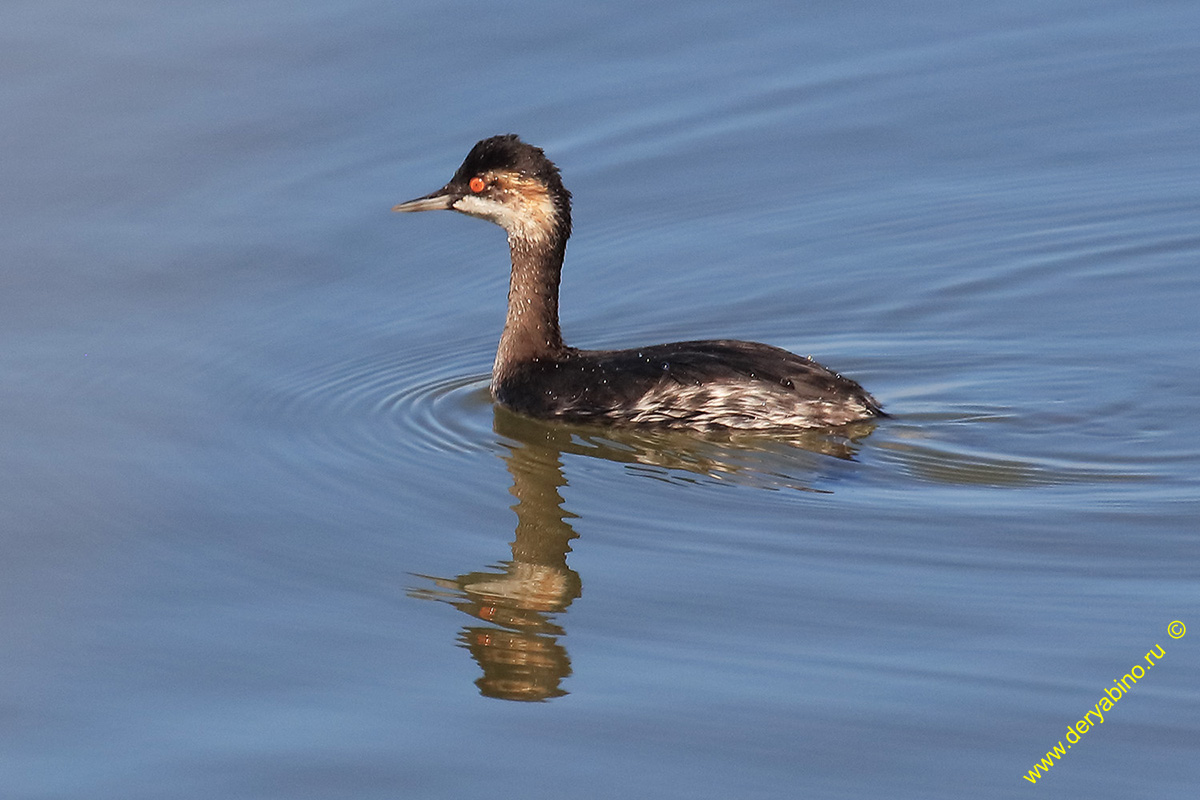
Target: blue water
{"points": [[263, 534]]}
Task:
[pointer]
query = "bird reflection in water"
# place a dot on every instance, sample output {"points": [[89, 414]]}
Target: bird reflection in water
{"points": [[519, 649]]}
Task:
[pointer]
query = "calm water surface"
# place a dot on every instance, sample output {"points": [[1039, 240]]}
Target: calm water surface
{"points": [[265, 536]]}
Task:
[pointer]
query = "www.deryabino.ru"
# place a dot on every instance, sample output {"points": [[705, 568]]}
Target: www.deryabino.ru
{"points": [[1095, 715]]}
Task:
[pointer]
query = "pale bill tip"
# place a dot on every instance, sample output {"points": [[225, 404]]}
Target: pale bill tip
{"points": [[439, 202]]}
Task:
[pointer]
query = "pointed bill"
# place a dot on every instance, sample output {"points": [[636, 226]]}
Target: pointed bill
{"points": [[441, 200]]}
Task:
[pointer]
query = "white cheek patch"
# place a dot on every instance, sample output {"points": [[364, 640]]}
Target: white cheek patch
{"points": [[490, 210], [530, 216]]}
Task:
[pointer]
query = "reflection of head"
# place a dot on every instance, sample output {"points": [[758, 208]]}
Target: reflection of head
{"points": [[517, 665]]}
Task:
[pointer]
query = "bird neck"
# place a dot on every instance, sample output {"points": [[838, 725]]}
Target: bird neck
{"points": [[531, 329]]}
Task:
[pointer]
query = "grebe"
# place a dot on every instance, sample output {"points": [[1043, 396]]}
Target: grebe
{"points": [[705, 385]]}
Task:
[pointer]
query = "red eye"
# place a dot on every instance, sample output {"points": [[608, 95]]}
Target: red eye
{"points": [[476, 185]]}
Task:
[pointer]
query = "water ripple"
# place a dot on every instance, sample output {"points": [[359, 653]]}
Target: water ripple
{"points": [[375, 406]]}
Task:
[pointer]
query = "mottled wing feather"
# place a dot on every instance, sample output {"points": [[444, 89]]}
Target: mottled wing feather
{"points": [[726, 384]]}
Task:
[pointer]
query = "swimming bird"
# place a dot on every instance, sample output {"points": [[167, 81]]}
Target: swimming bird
{"points": [[717, 384]]}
